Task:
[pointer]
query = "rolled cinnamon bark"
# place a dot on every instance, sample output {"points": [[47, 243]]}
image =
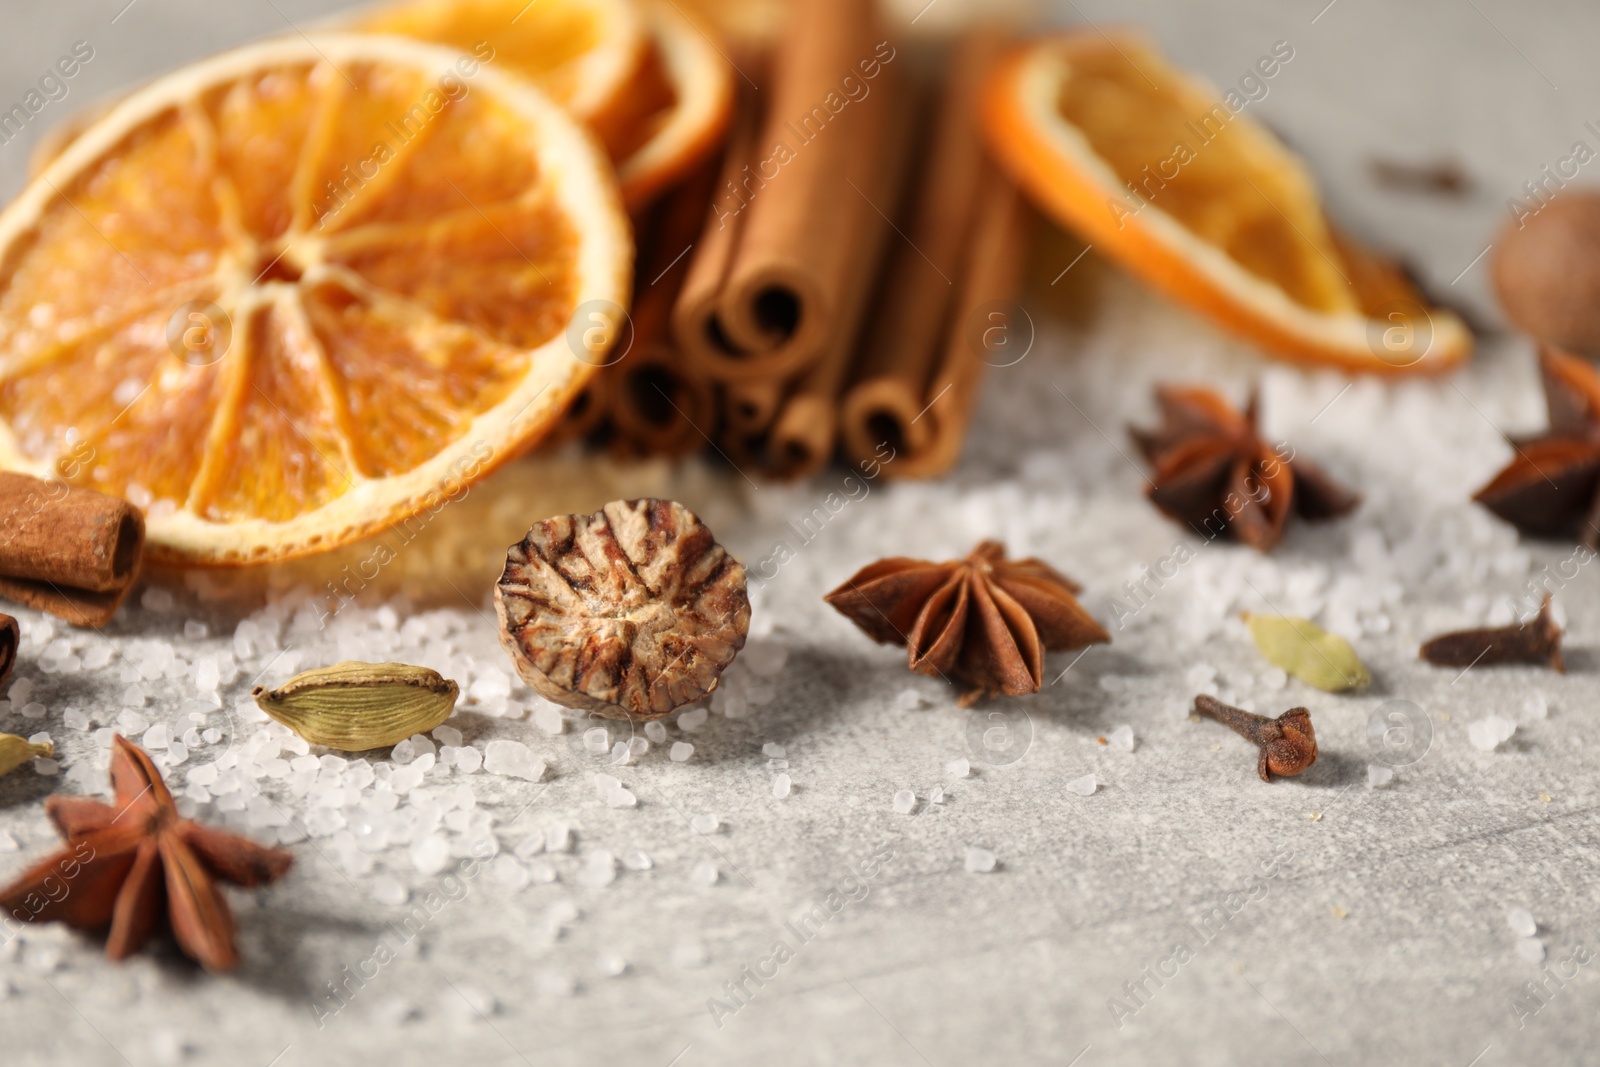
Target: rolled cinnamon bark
{"points": [[890, 391], [585, 414], [748, 408], [805, 434], [984, 329], [68, 551], [792, 277]]}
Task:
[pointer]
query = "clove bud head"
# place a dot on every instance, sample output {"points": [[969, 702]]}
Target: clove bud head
{"points": [[1288, 743]]}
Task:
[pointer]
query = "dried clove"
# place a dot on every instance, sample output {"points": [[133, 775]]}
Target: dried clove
{"points": [[1537, 641], [1288, 743]]}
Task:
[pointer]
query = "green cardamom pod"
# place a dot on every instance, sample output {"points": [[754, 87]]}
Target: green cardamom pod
{"points": [[354, 707], [15, 751], [1308, 652]]}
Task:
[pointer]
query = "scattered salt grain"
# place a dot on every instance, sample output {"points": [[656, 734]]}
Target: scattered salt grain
{"points": [[610, 964], [33, 710], [403, 753], [637, 860], [513, 759], [1084, 786], [430, 854], [958, 768], [705, 824], [781, 786], [1522, 922], [156, 599], [548, 718], [1378, 777], [155, 737], [509, 873], [908, 700], [1531, 949], [773, 750], [390, 892], [730, 705], [656, 732], [936, 795], [167, 1046], [904, 801], [479, 1005], [979, 860], [468, 760], [74, 719], [680, 751], [704, 873], [596, 741], [598, 871], [447, 735], [46, 768], [621, 797], [1274, 678], [1535, 707], [541, 873], [693, 719], [1121, 738], [1490, 733], [558, 837]]}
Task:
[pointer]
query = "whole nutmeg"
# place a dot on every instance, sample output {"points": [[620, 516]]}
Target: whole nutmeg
{"points": [[1547, 272], [629, 613]]}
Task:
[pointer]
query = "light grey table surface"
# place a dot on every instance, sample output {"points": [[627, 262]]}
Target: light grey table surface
{"points": [[1356, 925]]}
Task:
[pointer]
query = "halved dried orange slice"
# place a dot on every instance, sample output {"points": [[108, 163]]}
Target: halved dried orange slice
{"points": [[1172, 180], [296, 293]]}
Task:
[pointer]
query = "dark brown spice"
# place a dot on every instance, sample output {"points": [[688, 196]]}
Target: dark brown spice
{"points": [[1215, 474], [125, 864], [1446, 177], [984, 621], [1288, 743], [1537, 641], [1551, 488]]}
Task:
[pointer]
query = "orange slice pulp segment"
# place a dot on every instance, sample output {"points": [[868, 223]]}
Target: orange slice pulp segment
{"points": [[296, 293], [1187, 192]]}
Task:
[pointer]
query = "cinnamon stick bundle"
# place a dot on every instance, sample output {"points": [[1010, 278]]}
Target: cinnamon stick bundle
{"points": [[916, 384], [68, 551], [780, 252]]}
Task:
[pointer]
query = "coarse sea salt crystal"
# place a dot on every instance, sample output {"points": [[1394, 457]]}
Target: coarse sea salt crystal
{"points": [[979, 860], [557, 837], [958, 768], [908, 700], [509, 873], [610, 964], [1378, 776], [1084, 786], [621, 797], [548, 718], [75, 719], [1121, 738], [693, 719], [430, 854], [637, 860], [598, 871], [603, 783], [156, 599], [555, 984], [541, 873], [1488, 734], [781, 786], [1531, 949], [936, 795], [1522, 922], [705, 824], [390, 892], [513, 759], [447, 735], [1535, 707], [680, 751], [33, 710], [597, 741], [468, 760], [656, 732], [773, 750], [904, 801], [704, 873]]}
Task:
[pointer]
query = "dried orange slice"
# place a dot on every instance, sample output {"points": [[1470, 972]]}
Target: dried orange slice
{"points": [[1168, 177], [299, 292]]}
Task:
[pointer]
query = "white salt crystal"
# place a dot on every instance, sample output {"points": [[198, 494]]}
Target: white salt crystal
{"points": [[936, 795], [610, 964], [1084, 786], [729, 705], [33, 710], [558, 837], [765, 659], [704, 873], [596, 741], [689, 954], [1531, 949], [431, 854], [468, 759], [637, 860], [207, 675], [513, 759], [620, 797], [773, 750], [1488, 734], [74, 719], [781, 786], [705, 824], [638, 746], [541, 873], [958, 768], [621, 754], [403, 752], [759, 693], [167, 1046], [204, 775], [904, 801], [479, 1004], [531, 845], [1274, 678], [1534, 707], [390, 892], [1522, 922], [509, 873], [155, 737], [680, 751], [564, 910], [548, 718], [908, 700], [598, 871], [1378, 776], [656, 732], [195, 630], [1201, 675], [979, 860], [20, 690], [46, 768], [156, 599], [604, 783], [1121, 737], [447, 735], [691, 720], [423, 745]]}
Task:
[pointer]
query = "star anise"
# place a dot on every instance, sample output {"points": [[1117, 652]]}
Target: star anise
{"points": [[127, 861], [1552, 487], [1215, 474], [984, 621]]}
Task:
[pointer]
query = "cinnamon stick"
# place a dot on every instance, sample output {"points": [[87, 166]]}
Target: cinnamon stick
{"points": [[10, 638], [983, 329], [890, 392], [71, 552], [792, 276], [805, 434], [748, 408]]}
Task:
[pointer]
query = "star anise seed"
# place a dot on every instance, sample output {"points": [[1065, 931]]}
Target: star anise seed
{"points": [[1215, 474], [1552, 486], [126, 862], [984, 621]]}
